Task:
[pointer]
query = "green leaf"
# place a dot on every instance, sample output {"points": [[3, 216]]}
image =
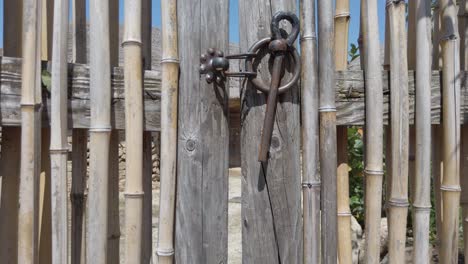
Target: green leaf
{"points": [[46, 79]]}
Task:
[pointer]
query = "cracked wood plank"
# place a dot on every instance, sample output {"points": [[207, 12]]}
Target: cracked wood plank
{"points": [[203, 138], [271, 191]]}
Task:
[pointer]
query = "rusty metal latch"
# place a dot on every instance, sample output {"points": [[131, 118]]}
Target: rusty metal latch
{"points": [[215, 66]]}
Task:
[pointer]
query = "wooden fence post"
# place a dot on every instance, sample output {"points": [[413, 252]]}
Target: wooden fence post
{"points": [[271, 191], [10, 155], [203, 137]]}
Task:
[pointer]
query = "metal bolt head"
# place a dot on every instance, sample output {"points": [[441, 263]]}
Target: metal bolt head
{"points": [[220, 53], [203, 58], [211, 51], [209, 77], [202, 68]]}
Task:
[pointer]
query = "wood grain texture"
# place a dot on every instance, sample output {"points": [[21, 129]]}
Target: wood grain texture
{"points": [[271, 203], [202, 191]]}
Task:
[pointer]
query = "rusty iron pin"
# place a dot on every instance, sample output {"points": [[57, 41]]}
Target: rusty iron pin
{"points": [[278, 47]]}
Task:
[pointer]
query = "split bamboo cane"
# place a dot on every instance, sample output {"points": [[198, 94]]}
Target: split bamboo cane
{"points": [[374, 131], [79, 145], [31, 103], [463, 27], [59, 131], [450, 187], [398, 197], [327, 109], [133, 80], [169, 97], [422, 173], [342, 17], [100, 131], [310, 136]]}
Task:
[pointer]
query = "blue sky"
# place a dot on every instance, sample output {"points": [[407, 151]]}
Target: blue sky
{"points": [[234, 19]]}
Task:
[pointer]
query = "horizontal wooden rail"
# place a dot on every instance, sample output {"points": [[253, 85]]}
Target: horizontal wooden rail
{"points": [[350, 99]]}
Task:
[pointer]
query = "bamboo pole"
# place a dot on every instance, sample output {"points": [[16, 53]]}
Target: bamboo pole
{"points": [[374, 131], [399, 125], [169, 97], [342, 17], [134, 131], [10, 153], [100, 131], [398, 185], [328, 151], [31, 103], [422, 173], [79, 145], [450, 187], [463, 27], [59, 132], [310, 135]]}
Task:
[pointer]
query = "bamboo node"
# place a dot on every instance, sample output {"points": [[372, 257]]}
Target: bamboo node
{"points": [[309, 37], [35, 106], [422, 208], [327, 108], [131, 41], [134, 194], [373, 172], [311, 185], [342, 14], [170, 60], [450, 188], [451, 37], [398, 202], [347, 213], [165, 252]]}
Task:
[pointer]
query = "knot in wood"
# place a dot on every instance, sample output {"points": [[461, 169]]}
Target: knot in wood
{"points": [[190, 145]]}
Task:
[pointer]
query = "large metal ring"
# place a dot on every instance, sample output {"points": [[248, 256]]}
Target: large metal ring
{"points": [[257, 80]]}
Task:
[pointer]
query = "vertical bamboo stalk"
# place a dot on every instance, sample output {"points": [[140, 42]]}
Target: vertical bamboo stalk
{"points": [[100, 131], [463, 27], [79, 145], [310, 135], [133, 81], [450, 187], [327, 109], [422, 173], [169, 95], [10, 153], [399, 125], [344, 212], [374, 131], [46, 29], [31, 103], [59, 129]]}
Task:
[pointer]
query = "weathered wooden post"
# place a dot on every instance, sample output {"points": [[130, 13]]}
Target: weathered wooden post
{"points": [[399, 126], [422, 173], [271, 204], [169, 106], [450, 187], [100, 131], [203, 155], [342, 18], [11, 139], [31, 104], [310, 135], [374, 130], [59, 133]]}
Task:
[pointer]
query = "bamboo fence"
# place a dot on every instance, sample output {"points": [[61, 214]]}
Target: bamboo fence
{"points": [[418, 94]]}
